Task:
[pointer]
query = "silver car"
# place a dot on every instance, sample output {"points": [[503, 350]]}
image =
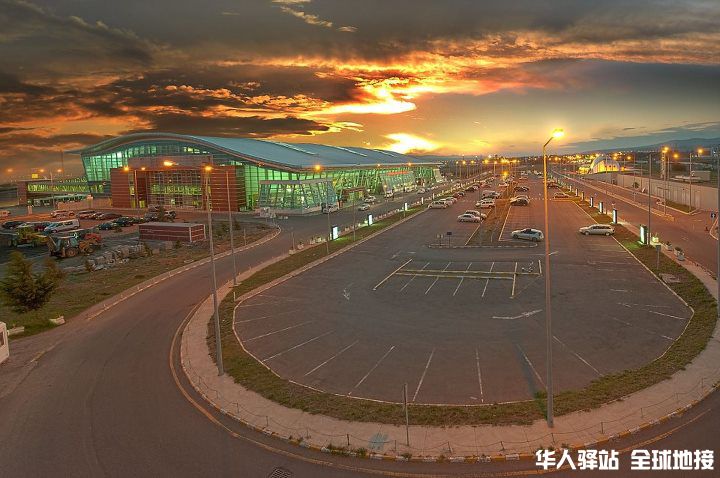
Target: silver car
{"points": [[528, 234], [601, 229]]}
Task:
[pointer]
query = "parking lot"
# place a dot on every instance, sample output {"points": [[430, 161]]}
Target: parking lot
{"points": [[462, 326]]}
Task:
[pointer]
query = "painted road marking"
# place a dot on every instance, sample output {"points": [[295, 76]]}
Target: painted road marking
{"points": [[666, 315], [371, 370], [461, 280], [281, 330], [577, 356], [524, 314], [514, 279], [391, 274], [423, 375], [413, 277], [331, 358], [532, 367], [643, 329], [297, 346], [487, 281], [477, 362], [265, 317], [437, 278]]}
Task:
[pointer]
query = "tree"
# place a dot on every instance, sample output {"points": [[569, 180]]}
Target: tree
{"points": [[24, 290]]}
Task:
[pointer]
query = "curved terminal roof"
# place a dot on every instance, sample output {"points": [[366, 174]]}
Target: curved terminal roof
{"points": [[604, 163], [288, 155]]}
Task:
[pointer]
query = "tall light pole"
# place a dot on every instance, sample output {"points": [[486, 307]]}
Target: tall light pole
{"points": [[699, 152], [649, 195], [232, 226], [216, 315], [558, 133]]}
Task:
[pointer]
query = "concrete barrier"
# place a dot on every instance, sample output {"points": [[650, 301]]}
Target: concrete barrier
{"points": [[4, 344]]}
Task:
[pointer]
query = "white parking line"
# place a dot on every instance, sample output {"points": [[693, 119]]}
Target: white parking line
{"points": [[391, 274], [512, 293], [331, 358], [371, 370], [477, 362], [643, 329], [436, 279], [297, 346], [666, 315], [461, 280], [423, 375], [577, 356], [265, 317], [532, 367], [281, 330], [487, 281], [413, 277]]}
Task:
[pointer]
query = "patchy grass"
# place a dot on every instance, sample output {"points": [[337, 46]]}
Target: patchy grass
{"points": [[254, 376], [81, 291]]}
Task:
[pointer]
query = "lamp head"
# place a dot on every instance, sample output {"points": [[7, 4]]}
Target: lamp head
{"points": [[558, 133]]}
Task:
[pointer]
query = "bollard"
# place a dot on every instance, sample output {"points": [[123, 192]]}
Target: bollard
{"points": [[348, 440], [267, 422]]}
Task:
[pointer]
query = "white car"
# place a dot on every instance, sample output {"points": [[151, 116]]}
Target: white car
{"points": [[389, 194], [601, 229], [469, 218], [476, 213], [528, 234], [59, 213], [363, 207], [486, 203], [449, 201], [421, 190], [561, 196], [331, 208], [490, 194], [438, 205]]}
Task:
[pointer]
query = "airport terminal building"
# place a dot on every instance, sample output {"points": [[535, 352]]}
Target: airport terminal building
{"points": [[143, 169]]}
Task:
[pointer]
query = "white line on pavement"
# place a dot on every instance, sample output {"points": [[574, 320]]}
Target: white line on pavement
{"points": [[423, 375], [461, 280], [577, 355], [278, 331], [436, 279], [331, 358], [391, 274], [297, 346], [666, 315], [487, 281], [371, 370], [413, 277], [477, 362], [532, 367]]}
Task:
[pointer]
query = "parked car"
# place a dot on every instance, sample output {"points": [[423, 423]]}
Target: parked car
{"points": [[450, 200], [327, 209], [486, 203], [553, 185], [459, 194], [37, 226], [521, 189], [490, 194], [421, 190], [389, 194], [59, 213], [528, 234], [107, 226], [96, 215], [108, 216], [561, 195], [4, 213], [126, 221], [11, 224], [519, 202], [438, 205], [370, 199], [86, 214], [601, 229], [61, 226], [476, 213], [469, 218], [363, 207]]}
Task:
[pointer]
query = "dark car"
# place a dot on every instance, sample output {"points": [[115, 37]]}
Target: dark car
{"points": [[126, 221], [521, 188], [553, 185], [519, 202], [86, 214], [108, 216], [95, 215], [12, 224], [459, 194], [107, 226], [153, 216]]}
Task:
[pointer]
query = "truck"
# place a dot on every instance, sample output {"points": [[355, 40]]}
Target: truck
{"points": [[79, 242]]}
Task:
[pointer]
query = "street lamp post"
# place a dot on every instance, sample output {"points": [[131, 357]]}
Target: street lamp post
{"points": [[558, 133], [232, 235], [216, 313]]}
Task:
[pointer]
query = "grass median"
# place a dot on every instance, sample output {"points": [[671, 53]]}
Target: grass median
{"points": [[256, 377]]}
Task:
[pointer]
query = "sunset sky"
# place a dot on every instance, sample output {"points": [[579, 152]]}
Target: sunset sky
{"points": [[447, 77]]}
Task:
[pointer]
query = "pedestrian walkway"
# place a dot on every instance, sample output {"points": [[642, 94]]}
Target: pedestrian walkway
{"points": [[633, 413]]}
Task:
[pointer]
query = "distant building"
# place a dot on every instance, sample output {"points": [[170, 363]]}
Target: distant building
{"points": [[603, 164], [293, 178]]}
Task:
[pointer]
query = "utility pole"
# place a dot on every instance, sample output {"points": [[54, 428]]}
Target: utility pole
{"points": [[232, 226], [649, 195], [216, 316]]}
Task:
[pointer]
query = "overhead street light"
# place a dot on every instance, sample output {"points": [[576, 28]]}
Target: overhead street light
{"points": [[557, 133]]}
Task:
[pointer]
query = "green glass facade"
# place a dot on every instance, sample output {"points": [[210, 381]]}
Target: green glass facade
{"points": [[293, 187]]}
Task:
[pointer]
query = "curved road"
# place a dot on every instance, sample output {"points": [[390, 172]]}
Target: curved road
{"points": [[99, 398]]}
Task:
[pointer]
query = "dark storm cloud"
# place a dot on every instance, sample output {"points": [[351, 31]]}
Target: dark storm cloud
{"points": [[36, 41], [254, 126]]}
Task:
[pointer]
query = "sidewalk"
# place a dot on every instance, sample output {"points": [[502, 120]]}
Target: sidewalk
{"points": [[465, 443]]}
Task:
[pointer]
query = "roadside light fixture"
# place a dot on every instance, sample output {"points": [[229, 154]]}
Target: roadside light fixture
{"points": [[557, 133], [208, 168], [614, 216], [169, 163], [370, 219], [643, 234], [126, 168], [317, 167], [335, 233]]}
